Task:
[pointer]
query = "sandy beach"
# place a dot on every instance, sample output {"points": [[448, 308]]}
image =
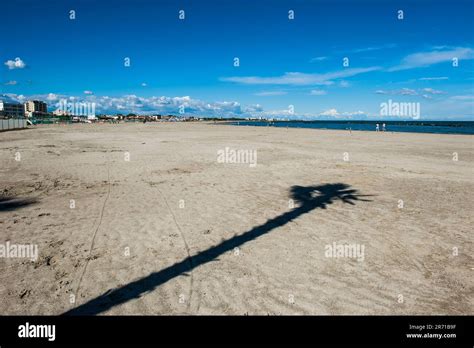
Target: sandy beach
{"points": [[144, 219]]}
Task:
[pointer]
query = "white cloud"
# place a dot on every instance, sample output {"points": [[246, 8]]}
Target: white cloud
{"points": [[317, 59], [154, 105], [330, 112], [52, 97], [170, 105], [374, 48], [344, 84], [432, 91], [433, 78], [161, 105], [144, 84], [270, 93], [15, 64], [12, 98], [424, 59], [463, 97], [298, 78], [11, 83], [403, 91], [355, 113], [334, 114], [252, 109], [88, 92], [407, 91], [318, 92]]}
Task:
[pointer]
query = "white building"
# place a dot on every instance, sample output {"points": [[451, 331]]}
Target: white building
{"points": [[59, 112], [35, 108]]}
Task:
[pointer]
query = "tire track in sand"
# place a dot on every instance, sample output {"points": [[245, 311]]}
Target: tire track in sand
{"points": [[95, 233], [190, 294], [186, 246]]}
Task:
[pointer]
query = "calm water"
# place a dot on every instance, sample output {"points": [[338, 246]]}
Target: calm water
{"points": [[437, 127]]}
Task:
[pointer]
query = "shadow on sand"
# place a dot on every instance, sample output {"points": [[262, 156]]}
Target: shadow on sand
{"points": [[306, 199], [12, 203]]}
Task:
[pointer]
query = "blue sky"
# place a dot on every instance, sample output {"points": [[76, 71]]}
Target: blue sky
{"points": [[283, 62]]}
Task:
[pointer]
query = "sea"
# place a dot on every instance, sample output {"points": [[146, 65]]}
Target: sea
{"points": [[435, 127]]}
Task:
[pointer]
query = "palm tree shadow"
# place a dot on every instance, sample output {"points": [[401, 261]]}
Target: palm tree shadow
{"points": [[307, 198], [13, 203]]}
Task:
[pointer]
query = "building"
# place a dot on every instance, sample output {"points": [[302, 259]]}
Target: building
{"points": [[60, 112], [34, 108], [12, 110]]}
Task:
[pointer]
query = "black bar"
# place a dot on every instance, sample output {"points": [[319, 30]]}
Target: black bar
{"points": [[223, 330]]}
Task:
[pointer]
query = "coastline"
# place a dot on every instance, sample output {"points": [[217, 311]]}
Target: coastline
{"points": [[428, 127]]}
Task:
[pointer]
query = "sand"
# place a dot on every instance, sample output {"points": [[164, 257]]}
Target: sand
{"points": [[175, 231]]}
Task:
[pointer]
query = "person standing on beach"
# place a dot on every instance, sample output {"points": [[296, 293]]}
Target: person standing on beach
{"points": [[383, 127], [377, 127]]}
